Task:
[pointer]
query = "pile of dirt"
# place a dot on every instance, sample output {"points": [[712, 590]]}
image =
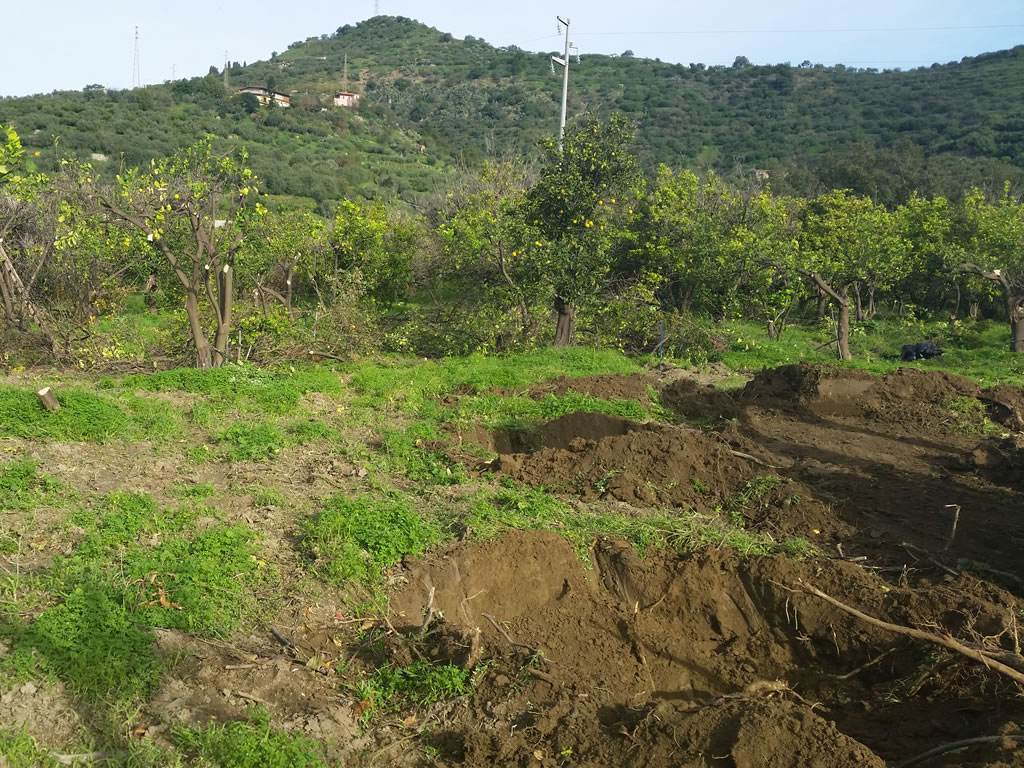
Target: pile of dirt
{"points": [[1000, 461], [1005, 405], [599, 456], [609, 386], [705, 660]]}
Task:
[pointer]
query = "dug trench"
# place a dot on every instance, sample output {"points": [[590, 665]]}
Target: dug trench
{"points": [[708, 659], [704, 660]]}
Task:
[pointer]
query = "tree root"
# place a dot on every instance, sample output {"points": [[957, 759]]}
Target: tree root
{"points": [[1004, 663], [944, 748]]}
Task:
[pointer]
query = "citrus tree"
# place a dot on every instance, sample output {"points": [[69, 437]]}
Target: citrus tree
{"points": [[573, 207], [196, 207], [991, 247], [846, 239]]}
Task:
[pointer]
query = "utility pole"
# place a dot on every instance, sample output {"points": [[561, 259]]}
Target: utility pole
{"points": [[564, 62], [225, 70], [136, 75]]}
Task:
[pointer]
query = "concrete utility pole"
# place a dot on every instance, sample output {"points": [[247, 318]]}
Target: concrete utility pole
{"points": [[565, 77], [136, 73]]}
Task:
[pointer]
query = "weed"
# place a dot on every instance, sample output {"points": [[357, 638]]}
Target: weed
{"points": [[304, 432], [409, 452], [752, 493], [421, 683], [252, 744], [21, 489], [197, 491], [970, 417], [19, 750], [91, 642], [246, 442], [357, 539], [265, 497]]}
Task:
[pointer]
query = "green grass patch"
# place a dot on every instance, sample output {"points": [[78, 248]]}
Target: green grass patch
{"points": [[90, 641], [252, 744], [251, 442], [246, 387], [357, 539], [522, 412], [19, 750], [970, 417], [411, 452], [410, 385], [193, 491], [23, 489], [85, 416], [421, 683], [681, 531]]}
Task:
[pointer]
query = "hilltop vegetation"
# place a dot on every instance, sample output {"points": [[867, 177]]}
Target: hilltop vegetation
{"points": [[939, 130]]}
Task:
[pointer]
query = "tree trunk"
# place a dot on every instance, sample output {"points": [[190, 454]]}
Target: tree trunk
{"points": [[204, 356], [974, 309], [844, 324], [822, 306], [859, 304], [225, 297], [1015, 309], [565, 330], [773, 331]]}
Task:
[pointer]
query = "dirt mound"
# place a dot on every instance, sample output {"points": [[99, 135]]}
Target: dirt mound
{"points": [[1001, 461], [598, 456], [1005, 405], [609, 386], [664, 661]]}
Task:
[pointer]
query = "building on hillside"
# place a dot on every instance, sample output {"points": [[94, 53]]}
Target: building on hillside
{"points": [[267, 97], [761, 174], [346, 99]]}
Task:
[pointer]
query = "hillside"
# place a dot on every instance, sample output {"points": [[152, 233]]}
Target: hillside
{"points": [[938, 128]]}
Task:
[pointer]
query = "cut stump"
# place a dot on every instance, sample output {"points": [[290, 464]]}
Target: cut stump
{"points": [[48, 399]]}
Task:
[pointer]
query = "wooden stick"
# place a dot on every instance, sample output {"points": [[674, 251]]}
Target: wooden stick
{"points": [[956, 519], [944, 748], [430, 613], [862, 667], [985, 657]]}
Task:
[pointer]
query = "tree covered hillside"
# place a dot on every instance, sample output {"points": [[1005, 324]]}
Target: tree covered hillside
{"points": [[940, 129]]}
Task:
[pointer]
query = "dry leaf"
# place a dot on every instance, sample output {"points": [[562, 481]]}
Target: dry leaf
{"points": [[410, 721], [362, 706], [538, 754]]}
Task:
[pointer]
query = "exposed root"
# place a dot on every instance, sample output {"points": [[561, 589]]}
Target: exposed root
{"points": [[944, 748]]}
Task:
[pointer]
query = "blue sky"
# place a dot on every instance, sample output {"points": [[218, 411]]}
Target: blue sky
{"points": [[62, 44]]}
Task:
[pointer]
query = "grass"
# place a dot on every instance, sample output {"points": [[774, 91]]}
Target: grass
{"points": [[249, 744], [138, 566], [19, 750], [245, 387], [357, 539], [23, 489], [535, 509], [970, 417], [978, 350], [85, 416], [420, 683]]}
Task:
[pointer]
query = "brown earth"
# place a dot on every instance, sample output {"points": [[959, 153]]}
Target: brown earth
{"points": [[701, 661]]}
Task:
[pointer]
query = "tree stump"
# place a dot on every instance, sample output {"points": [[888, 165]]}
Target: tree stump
{"points": [[48, 399]]}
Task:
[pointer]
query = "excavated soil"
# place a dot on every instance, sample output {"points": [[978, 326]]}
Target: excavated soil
{"points": [[710, 660], [701, 661]]}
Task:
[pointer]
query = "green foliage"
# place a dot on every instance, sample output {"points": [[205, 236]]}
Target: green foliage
{"points": [[357, 539], [407, 452], [535, 509], [85, 416], [201, 584], [251, 744], [971, 417]]}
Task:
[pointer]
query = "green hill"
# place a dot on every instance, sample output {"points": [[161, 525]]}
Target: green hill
{"points": [[938, 128]]}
